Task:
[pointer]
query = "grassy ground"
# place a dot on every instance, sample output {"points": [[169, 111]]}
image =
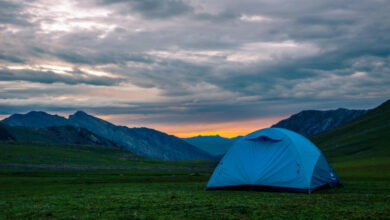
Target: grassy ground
{"points": [[362, 139], [79, 157], [180, 194], [91, 195]]}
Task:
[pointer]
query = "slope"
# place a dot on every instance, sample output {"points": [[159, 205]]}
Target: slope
{"points": [[24, 134], [141, 141], [214, 145], [4, 134], [53, 135], [366, 137], [72, 135], [22, 156], [311, 122]]}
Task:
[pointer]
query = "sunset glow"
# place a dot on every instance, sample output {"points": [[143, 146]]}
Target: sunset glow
{"points": [[224, 129]]}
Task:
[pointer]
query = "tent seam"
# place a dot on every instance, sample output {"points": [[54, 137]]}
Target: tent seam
{"points": [[291, 143]]}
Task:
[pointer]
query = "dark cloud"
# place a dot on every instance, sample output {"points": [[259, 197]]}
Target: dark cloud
{"points": [[49, 77], [110, 57], [12, 13], [152, 8], [218, 17], [195, 61], [11, 58]]}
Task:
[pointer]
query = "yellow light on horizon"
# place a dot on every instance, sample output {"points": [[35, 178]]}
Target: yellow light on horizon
{"points": [[226, 134], [226, 129], [3, 117], [223, 129]]}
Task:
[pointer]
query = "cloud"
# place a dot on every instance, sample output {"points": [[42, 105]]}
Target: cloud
{"points": [[193, 61], [12, 13], [152, 8], [48, 77], [254, 18], [11, 58]]}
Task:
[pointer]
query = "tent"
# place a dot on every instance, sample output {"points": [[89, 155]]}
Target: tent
{"points": [[273, 159]]}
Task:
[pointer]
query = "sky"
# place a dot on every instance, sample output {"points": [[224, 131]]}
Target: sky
{"points": [[189, 67]]}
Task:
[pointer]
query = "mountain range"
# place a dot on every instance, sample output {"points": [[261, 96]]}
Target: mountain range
{"points": [[214, 145], [311, 122], [85, 129], [141, 141], [35, 119], [64, 134]]}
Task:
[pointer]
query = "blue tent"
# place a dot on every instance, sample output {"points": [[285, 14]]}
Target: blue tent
{"points": [[273, 159]]}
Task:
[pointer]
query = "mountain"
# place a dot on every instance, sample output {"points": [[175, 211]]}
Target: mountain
{"points": [[35, 119], [66, 134], [141, 141], [70, 135], [367, 136], [4, 134], [23, 134], [311, 122], [214, 145]]}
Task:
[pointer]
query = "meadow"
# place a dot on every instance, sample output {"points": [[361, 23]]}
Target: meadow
{"points": [[104, 189]]}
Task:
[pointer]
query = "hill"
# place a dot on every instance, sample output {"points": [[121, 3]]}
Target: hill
{"points": [[214, 145], [311, 122], [35, 119], [66, 134], [28, 156], [24, 134], [365, 138], [4, 134], [141, 141]]}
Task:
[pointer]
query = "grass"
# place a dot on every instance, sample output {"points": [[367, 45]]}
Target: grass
{"points": [[364, 138], [171, 193], [41, 194], [84, 156]]}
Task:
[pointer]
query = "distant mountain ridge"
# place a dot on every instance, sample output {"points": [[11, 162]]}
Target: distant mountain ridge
{"points": [[35, 119], [311, 122], [215, 145], [67, 135], [141, 141]]}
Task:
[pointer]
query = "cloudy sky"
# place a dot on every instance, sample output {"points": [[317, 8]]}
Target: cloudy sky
{"points": [[193, 66]]}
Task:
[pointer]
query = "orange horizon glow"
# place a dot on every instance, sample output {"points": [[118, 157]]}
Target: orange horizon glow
{"points": [[224, 129], [226, 134], [227, 129], [3, 117]]}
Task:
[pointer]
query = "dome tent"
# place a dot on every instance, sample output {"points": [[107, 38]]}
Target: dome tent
{"points": [[273, 159]]}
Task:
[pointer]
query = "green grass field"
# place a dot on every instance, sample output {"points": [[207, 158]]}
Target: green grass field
{"points": [[153, 195], [103, 189], [84, 157]]}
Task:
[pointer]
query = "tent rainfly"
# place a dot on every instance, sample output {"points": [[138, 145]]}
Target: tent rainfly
{"points": [[273, 159]]}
